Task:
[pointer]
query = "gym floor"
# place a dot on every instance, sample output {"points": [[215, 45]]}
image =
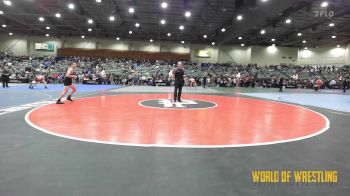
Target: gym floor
{"points": [[114, 140]]}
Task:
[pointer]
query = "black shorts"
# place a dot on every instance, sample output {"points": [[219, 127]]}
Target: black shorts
{"points": [[67, 82]]}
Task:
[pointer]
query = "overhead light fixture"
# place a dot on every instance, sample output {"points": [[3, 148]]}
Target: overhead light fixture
{"points": [[162, 21], [90, 21], [10, 33], [182, 42], [164, 5], [47, 35], [137, 24], [223, 30], [98, 1], [181, 27], [89, 30], [304, 41], [1, 12], [331, 24], [187, 14], [117, 38], [168, 34], [205, 36], [262, 32], [324, 4], [242, 44], [151, 40], [48, 28], [3, 26], [338, 46], [83, 36], [305, 48], [264, 0], [58, 15], [239, 17], [288, 21], [130, 32], [41, 19], [131, 10], [71, 6], [240, 38], [212, 43], [299, 34], [273, 39], [7, 2], [333, 36], [111, 18]]}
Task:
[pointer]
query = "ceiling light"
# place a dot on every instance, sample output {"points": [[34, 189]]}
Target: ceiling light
{"points": [[242, 44], [333, 36], [7, 2], [181, 27], [239, 37], [4, 26], [164, 5], [324, 4], [162, 21], [223, 30], [264, 0], [1, 12], [41, 19], [98, 1], [331, 24], [137, 24], [90, 30], [188, 14], [273, 39], [82, 36], [305, 48], [182, 42], [130, 32], [151, 40], [338, 46], [239, 17], [205, 36], [212, 43], [71, 6], [300, 34], [168, 34], [58, 15], [304, 41], [111, 18], [288, 21], [131, 10], [10, 33], [90, 21], [262, 32], [47, 35], [117, 38]]}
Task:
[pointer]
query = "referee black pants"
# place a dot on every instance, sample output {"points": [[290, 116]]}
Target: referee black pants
{"points": [[178, 91], [5, 81]]}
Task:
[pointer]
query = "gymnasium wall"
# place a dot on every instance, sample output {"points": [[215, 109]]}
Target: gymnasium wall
{"points": [[324, 55], [262, 55], [268, 55]]}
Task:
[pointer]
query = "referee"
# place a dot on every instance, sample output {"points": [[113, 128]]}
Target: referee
{"points": [[5, 76], [178, 76]]}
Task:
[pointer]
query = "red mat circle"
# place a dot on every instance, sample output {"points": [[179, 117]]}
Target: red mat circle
{"points": [[234, 122]]}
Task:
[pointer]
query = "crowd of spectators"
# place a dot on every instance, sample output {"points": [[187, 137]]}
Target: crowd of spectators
{"points": [[144, 72]]}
